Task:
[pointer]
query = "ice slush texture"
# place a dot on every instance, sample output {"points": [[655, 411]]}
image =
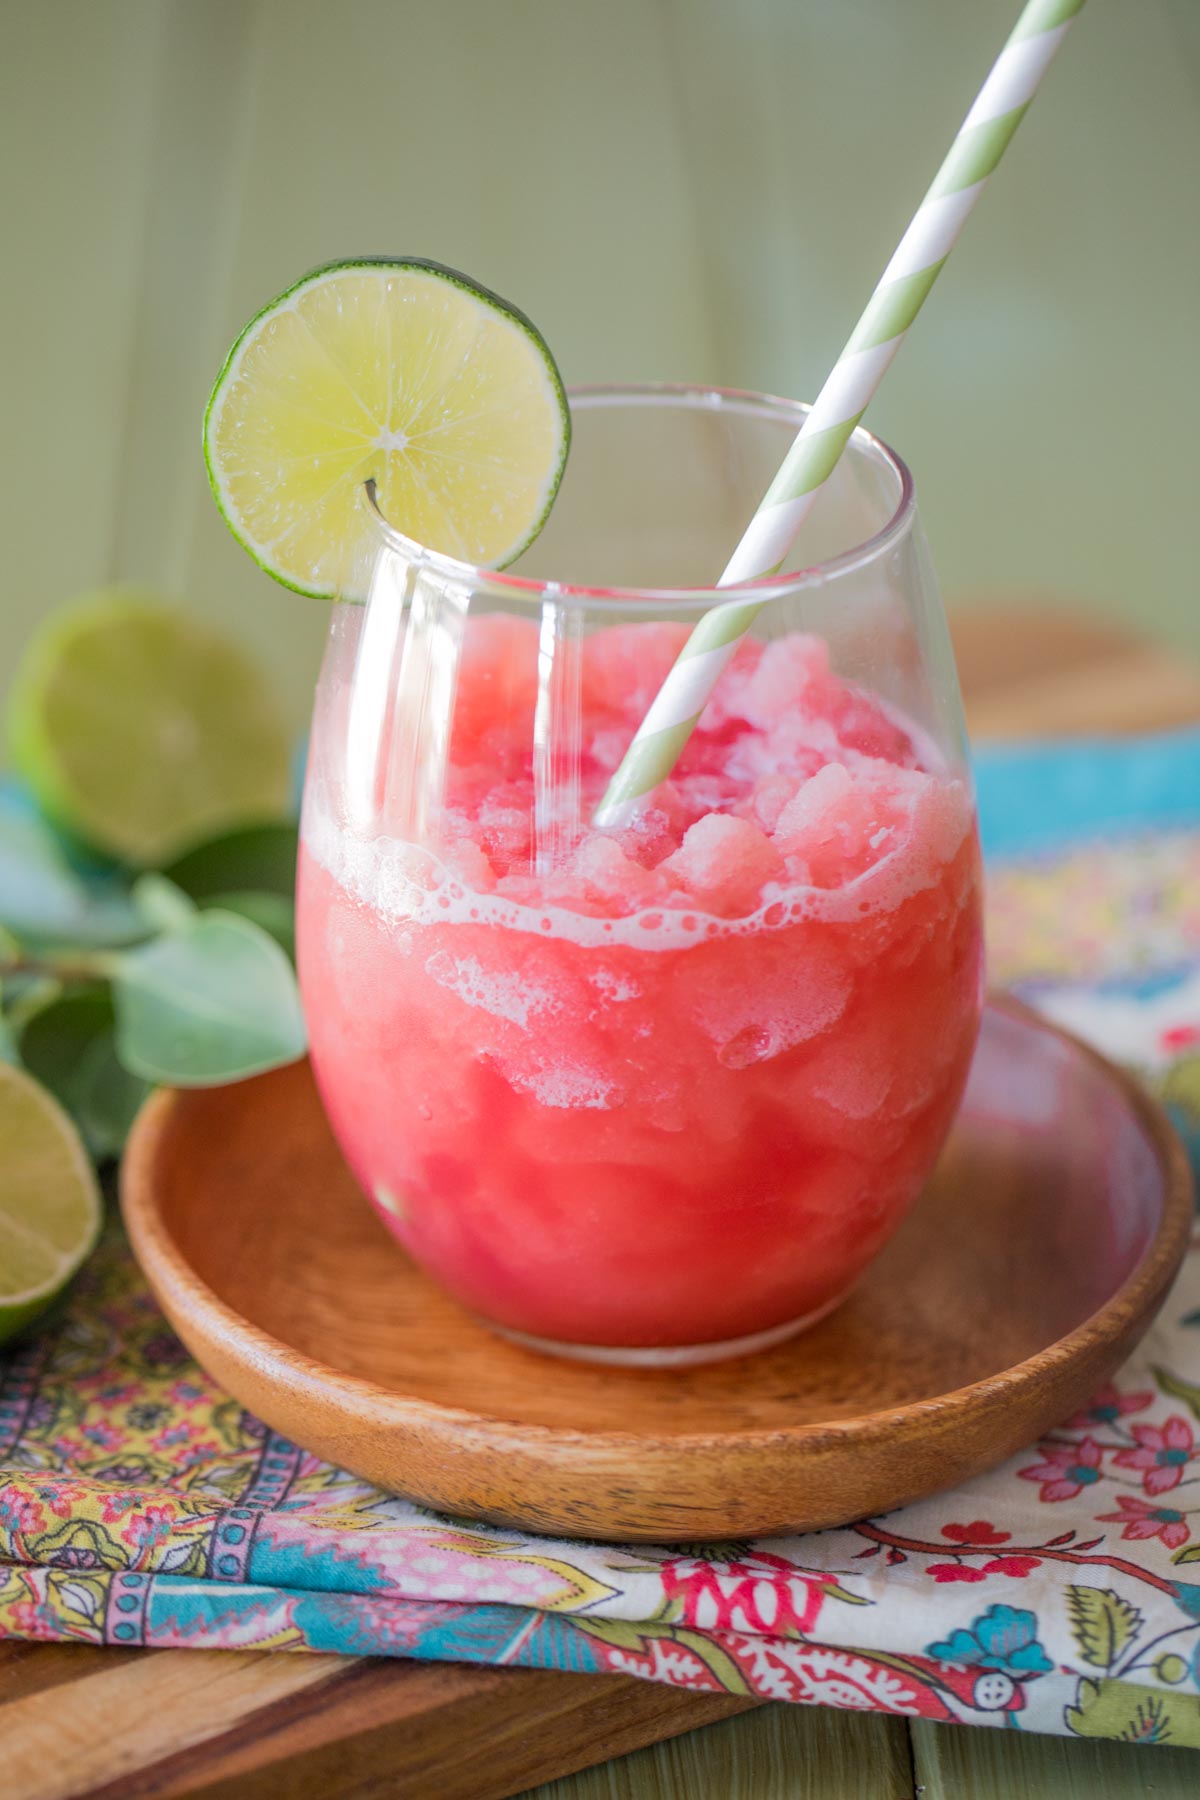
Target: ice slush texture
{"points": [[680, 1086]]}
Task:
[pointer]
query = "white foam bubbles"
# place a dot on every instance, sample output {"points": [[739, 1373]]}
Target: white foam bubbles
{"points": [[614, 986], [405, 883], [569, 1086], [504, 993]]}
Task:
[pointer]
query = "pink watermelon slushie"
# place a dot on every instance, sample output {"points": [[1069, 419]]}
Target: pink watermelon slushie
{"points": [[676, 1090]]}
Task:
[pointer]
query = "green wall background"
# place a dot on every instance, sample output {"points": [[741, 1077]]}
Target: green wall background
{"points": [[681, 189]]}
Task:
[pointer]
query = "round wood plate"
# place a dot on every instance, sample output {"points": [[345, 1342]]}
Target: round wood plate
{"points": [[1030, 1267]]}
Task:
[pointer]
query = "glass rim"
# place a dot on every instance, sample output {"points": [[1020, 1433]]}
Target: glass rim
{"points": [[764, 587]]}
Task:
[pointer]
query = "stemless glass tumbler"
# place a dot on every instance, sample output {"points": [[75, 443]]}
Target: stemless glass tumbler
{"points": [[653, 1094]]}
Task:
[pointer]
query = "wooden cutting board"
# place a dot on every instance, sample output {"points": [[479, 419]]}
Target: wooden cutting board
{"points": [[110, 1724], [86, 1724]]}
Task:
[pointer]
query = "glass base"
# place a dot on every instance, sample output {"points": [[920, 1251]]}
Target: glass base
{"points": [[671, 1356]]}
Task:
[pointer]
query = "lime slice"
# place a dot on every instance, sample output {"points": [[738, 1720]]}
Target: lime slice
{"points": [[398, 370], [49, 1202], [141, 730]]}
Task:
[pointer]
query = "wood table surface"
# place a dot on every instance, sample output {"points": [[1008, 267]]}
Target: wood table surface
{"points": [[110, 1724]]}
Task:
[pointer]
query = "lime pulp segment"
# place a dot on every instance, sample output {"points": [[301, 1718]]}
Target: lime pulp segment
{"points": [[49, 1202], [401, 371]]}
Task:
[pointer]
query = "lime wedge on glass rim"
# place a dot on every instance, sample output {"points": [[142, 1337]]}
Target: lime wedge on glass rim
{"points": [[49, 1202], [140, 730], [403, 372]]}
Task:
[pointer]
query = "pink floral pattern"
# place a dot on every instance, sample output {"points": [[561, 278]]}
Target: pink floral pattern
{"points": [[1066, 1469], [1107, 1407], [1138, 1519], [1162, 1454]]}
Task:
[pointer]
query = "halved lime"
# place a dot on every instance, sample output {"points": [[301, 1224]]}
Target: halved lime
{"points": [[49, 1203], [403, 371], [140, 730]]}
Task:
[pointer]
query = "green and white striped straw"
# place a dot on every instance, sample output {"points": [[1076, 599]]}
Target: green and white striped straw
{"points": [[982, 140]]}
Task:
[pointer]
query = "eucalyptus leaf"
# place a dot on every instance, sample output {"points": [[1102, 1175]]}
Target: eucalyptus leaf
{"points": [[69, 1045], [26, 994], [162, 905], [8, 1043], [210, 1003], [55, 1034], [254, 858], [38, 889], [43, 899], [108, 1097], [109, 920], [272, 912]]}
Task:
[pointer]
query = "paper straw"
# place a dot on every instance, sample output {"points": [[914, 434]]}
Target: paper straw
{"points": [[982, 140]]}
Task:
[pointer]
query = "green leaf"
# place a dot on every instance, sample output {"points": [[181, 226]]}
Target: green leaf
{"points": [[39, 891], [54, 1037], [27, 994], [108, 1098], [43, 900], [70, 1045], [1133, 1714], [163, 906], [275, 915], [1186, 1391], [1102, 1623], [257, 858], [211, 1003], [1191, 1553], [9, 951]]}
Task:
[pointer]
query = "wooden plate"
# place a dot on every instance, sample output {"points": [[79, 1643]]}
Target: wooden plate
{"points": [[1030, 1267]]}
